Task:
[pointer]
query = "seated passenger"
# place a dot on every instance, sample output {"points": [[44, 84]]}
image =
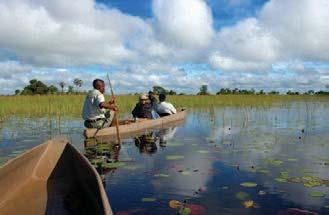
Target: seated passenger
{"points": [[143, 108], [165, 108]]}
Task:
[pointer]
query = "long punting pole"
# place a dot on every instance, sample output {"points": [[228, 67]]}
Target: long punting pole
{"points": [[117, 112]]}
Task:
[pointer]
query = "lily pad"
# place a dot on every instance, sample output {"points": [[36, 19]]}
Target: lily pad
{"points": [[186, 173], [174, 157], [175, 144], [292, 159], [281, 180], [261, 193], [248, 184], [264, 171], [242, 195], [274, 162], [203, 152], [284, 175], [184, 211], [312, 184], [148, 199], [132, 167], [161, 175], [113, 165], [317, 194]]}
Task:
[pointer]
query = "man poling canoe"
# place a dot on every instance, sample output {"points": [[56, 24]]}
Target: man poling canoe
{"points": [[97, 113]]}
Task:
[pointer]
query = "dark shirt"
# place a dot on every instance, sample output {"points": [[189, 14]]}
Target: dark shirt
{"points": [[142, 111], [154, 101]]}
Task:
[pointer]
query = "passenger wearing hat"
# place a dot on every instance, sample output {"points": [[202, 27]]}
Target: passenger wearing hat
{"points": [[143, 108]]}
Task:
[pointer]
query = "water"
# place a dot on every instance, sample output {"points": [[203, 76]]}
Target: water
{"points": [[282, 151]]}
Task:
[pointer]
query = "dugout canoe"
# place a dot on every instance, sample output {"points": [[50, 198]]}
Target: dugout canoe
{"points": [[138, 126], [52, 178]]}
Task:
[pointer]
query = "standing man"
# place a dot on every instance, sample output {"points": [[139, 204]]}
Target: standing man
{"points": [[165, 108], [94, 109]]}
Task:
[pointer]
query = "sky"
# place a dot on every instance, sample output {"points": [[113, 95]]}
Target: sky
{"points": [[178, 44]]}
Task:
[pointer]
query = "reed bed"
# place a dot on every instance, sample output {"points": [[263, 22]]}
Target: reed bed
{"points": [[71, 105]]}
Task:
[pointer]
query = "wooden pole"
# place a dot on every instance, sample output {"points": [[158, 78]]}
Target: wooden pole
{"points": [[116, 113]]}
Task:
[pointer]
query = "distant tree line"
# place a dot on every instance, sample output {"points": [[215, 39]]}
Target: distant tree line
{"points": [[236, 91], [37, 87]]}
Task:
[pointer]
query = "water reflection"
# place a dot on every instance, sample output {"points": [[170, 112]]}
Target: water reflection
{"points": [[283, 149], [146, 143]]}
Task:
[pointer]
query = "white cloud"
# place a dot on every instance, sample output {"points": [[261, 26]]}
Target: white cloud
{"points": [[46, 34], [285, 30], [184, 24], [217, 60], [43, 36], [301, 26]]}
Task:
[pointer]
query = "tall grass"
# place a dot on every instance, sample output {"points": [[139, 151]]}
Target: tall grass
{"points": [[71, 105]]}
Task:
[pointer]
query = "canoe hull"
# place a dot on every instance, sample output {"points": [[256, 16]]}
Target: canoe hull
{"points": [[52, 178], [138, 126]]}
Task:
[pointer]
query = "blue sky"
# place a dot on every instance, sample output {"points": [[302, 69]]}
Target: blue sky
{"points": [[179, 44], [225, 12]]}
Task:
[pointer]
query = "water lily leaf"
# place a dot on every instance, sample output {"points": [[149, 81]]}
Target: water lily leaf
{"points": [[132, 167], [242, 195], [261, 193], [148, 199], [274, 162], [161, 175], [292, 159], [175, 204], [264, 171], [284, 175], [186, 173], [175, 144], [295, 180], [248, 204], [311, 181], [317, 194], [174, 157], [113, 165], [248, 184], [312, 184], [281, 180], [184, 211], [203, 151]]}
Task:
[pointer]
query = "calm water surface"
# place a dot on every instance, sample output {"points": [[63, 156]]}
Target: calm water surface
{"points": [[282, 152]]}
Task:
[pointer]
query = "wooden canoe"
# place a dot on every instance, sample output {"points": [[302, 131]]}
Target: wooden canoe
{"points": [[138, 126], [52, 178]]}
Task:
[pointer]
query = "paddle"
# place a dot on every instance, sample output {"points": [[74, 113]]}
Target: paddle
{"points": [[117, 112]]}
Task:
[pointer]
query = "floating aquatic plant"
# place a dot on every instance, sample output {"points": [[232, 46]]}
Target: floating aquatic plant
{"points": [[174, 157], [317, 194], [248, 184]]}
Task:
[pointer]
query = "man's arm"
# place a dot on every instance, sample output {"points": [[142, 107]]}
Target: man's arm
{"points": [[108, 105], [172, 109]]}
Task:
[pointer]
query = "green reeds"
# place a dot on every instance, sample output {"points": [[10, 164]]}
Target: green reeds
{"points": [[61, 106]]}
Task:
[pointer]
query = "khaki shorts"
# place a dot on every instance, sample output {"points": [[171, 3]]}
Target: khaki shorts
{"points": [[101, 123]]}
